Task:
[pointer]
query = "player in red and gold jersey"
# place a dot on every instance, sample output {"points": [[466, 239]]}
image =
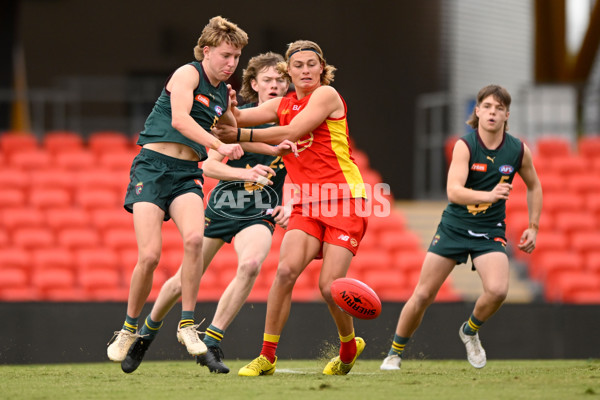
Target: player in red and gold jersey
{"points": [[324, 222]]}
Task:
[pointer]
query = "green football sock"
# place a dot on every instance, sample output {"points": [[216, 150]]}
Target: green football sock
{"points": [[187, 319], [472, 326], [130, 324], [213, 336], [398, 345], [150, 328]]}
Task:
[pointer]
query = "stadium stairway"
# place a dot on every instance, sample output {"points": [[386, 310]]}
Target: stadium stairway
{"points": [[423, 218]]}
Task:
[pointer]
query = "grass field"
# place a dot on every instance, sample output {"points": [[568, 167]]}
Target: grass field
{"points": [[302, 379]]}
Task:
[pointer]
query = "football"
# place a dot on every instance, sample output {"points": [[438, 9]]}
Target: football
{"points": [[356, 298]]}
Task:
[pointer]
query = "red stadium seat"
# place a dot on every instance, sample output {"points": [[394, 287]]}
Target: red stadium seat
{"points": [[67, 218], [570, 165], [399, 241], [18, 217], [13, 277], [31, 160], [76, 160], [109, 218], [585, 242], [53, 258], [396, 221], [14, 257], [560, 285], [551, 146], [564, 201], [97, 258], [575, 221], [119, 161], [367, 260], [408, 260], [33, 238], [11, 198], [120, 239], [14, 179], [13, 141], [53, 278], [589, 147], [552, 261], [101, 179], [79, 238], [592, 261], [49, 198], [108, 142], [582, 183], [99, 278], [97, 199], [62, 141], [54, 178]]}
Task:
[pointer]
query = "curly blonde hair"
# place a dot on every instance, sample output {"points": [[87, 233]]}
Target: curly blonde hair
{"points": [[300, 45], [256, 65], [217, 31]]}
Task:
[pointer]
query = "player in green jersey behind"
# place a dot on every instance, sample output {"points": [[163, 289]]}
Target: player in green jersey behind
{"points": [[246, 204], [484, 163]]}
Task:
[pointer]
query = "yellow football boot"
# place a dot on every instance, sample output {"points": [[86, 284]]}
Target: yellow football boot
{"points": [[337, 367], [259, 366]]}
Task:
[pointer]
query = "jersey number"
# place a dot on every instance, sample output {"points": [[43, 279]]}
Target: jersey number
{"points": [[482, 207]]}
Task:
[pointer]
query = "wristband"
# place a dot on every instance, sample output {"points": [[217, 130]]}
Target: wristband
{"points": [[239, 133], [533, 225]]}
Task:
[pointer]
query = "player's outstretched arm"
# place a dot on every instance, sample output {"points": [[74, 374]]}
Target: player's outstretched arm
{"points": [[214, 167]]}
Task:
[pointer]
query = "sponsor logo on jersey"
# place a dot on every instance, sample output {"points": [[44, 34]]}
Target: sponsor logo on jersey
{"points": [[479, 167], [490, 158], [506, 169], [344, 237], [139, 187], [203, 99], [219, 110], [296, 107]]}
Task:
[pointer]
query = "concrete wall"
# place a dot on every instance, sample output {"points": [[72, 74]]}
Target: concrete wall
{"points": [[34, 333]]}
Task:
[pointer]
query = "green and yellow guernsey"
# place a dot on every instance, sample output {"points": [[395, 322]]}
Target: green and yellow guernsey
{"points": [[487, 168], [247, 200], [209, 104]]}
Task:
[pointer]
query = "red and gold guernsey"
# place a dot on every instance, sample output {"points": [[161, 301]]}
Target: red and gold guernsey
{"points": [[324, 169]]}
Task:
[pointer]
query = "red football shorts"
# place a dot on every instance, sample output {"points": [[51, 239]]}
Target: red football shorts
{"points": [[338, 226]]}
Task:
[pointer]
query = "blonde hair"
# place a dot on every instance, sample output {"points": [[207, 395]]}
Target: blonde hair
{"points": [[217, 31], [499, 93], [256, 65], [301, 45]]}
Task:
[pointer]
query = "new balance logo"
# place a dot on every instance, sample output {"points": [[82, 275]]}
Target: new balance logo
{"points": [[344, 237]]}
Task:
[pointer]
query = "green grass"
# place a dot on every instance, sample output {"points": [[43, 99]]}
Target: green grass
{"points": [[302, 379]]}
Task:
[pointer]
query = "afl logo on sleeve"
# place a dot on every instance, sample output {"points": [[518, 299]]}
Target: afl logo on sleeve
{"points": [[506, 169], [219, 110]]}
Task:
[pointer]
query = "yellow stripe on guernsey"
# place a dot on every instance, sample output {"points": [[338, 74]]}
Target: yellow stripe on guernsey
{"points": [[341, 148]]}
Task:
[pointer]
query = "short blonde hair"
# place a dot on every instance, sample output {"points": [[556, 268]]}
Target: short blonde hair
{"points": [[301, 45], [256, 65], [499, 93], [217, 31]]}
